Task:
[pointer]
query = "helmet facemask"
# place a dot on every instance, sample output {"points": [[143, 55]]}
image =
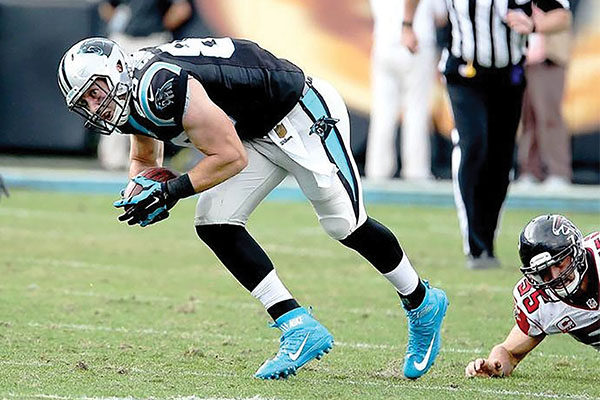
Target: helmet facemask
{"points": [[97, 64], [569, 280], [116, 100]]}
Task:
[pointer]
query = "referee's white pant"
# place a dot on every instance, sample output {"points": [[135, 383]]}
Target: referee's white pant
{"points": [[339, 205], [400, 81]]}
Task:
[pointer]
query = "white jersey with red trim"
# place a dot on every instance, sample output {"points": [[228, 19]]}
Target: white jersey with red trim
{"points": [[536, 314]]}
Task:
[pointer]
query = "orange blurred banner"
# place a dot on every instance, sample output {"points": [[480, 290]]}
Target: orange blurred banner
{"points": [[332, 39]]}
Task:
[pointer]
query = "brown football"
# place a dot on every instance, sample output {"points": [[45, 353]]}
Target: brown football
{"points": [[155, 173]]}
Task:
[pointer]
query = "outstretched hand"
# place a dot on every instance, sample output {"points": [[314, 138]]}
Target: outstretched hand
{"points": [[484, 368]]}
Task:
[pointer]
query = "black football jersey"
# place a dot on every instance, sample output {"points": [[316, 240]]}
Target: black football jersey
{"points": [[255, 88]]}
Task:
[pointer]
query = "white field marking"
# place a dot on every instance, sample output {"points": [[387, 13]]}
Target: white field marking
{"points": [[142, 298], [35, 213], [161, 299], [402, 384], [58, 397], [499, 392], [467, 290], [387, 312], [10, 233], [26, 363], [77, 264], [195, 335], [28, 213], [310, 231], [298, 251], [321, 381]]}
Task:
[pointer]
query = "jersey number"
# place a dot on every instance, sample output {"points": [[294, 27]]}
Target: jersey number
{"points": [[194, 47], [531, 302]]}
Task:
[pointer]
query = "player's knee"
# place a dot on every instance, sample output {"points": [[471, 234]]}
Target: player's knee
{"points": [[215, 234], [337, 228], [208, 233]]}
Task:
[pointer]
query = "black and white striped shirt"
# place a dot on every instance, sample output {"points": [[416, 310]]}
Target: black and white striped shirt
{"points": [[480, 35]]}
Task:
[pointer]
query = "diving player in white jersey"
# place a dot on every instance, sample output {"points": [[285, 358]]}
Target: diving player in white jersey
{"points": [[558, 293], [257, 118]]}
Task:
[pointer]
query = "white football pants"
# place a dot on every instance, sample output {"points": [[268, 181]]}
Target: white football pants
{"points": [[338, 203]]}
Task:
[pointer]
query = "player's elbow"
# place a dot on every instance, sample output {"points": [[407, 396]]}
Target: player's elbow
{"points": [[240, 163], [237, 159]]}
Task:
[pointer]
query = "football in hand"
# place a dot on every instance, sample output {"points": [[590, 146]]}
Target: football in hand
{"points": [[159, 174]]}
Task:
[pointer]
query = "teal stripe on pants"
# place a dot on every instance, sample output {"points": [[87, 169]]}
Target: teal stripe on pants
{"points": [[333, 143]]}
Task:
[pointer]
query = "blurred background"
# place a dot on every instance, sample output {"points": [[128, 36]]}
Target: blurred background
{"points": [[330, 39]]}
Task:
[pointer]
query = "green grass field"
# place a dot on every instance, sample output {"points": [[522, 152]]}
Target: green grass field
{"points": [[90, 308]]}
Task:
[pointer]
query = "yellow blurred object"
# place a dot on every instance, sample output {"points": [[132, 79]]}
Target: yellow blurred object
{"points": [[291, 30], [441, 112], [581, 104]]}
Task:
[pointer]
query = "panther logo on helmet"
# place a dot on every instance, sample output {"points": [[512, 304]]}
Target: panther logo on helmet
{"points": [[96, 46]]}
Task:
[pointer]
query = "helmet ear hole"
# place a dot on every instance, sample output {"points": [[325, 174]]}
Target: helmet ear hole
{"points": [[119, 66]]}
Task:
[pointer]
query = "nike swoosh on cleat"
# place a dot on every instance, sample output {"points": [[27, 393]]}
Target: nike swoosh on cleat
{"points": [[420, 366], [294, 356]]}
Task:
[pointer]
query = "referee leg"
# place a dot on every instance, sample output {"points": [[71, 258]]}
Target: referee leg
{"points": [[504, 112], [468, 158]]}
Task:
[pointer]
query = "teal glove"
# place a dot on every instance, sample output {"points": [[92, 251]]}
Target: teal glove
{"points": [[149, 206]]}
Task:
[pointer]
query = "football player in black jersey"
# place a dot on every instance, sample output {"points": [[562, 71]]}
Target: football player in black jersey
{"points": [[558, 293], [257, 118]]}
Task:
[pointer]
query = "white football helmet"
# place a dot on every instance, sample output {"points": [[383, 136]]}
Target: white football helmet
{"points": [[81, 67]]}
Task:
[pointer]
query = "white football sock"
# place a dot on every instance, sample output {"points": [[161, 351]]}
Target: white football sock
{"points": [[271, 290], [403, 277]]}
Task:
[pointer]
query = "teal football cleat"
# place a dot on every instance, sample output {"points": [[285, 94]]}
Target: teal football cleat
{"points": [[424, 333], [303, 339]]}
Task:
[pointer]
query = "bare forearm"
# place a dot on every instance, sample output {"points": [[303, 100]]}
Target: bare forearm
{"points": [[506, 359], [410, 7], [145, 153], [214, 169], [137, 166], [552, 21]]}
